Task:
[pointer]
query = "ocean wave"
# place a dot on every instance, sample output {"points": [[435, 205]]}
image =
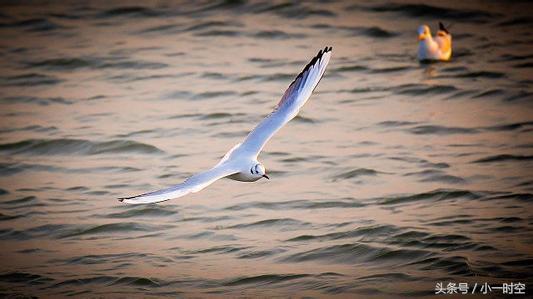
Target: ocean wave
{"points": [[259, 254], [283, 223], [219, 32], [422, 89], [524, 65], [292, 10], [390, 69], [441, 130], [511, 126], [369, 232], [503, 158], [277, 34], [396, 123], [515, 196], [420, 129], [481, 74], [489, 93], [38, 101], [424, 10], [516, 21], [521, 95], [217, 250], [7, 169], [213, 94], [24, 277], [262, 280], [31, 128], [366, 31], [7, 217], [29, 79], [23, 200], [422, 162], [356, 173], [358, 253], [33, 25], [298, 205], [136, 281], [70, 63], [514, 57], [76, 147], [435, 195], [208, 235], [141, 212], [373, 31], [77, 63], [454, 265], [351, 68], [220, 115], [435, 175], [131, 11], [110, 228], [445, 242]]}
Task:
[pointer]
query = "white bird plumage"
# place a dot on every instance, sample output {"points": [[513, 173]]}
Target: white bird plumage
{"points": [[240, 163], [438, 48]]}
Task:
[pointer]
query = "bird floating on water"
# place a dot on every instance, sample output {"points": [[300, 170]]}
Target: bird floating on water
{"points": [[438, 48], [240, 163]]}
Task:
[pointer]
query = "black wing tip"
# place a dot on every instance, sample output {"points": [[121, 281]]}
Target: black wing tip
{"points": [[121, 199], [322, 52], [443, 28], [313, 61]]}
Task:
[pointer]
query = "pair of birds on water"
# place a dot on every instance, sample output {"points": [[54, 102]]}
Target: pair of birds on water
{"points": [[240, 163]]}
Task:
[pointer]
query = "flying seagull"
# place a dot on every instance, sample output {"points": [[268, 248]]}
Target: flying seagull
{"points": [[434, 49], [240, 163]]}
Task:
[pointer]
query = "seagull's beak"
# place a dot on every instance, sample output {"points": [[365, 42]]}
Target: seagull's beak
{"points": [[421, 37], [266, 176]]}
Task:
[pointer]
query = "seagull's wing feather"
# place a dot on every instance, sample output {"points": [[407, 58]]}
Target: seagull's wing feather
{"points": [[193, 184], [445, 42], [294, 98]]}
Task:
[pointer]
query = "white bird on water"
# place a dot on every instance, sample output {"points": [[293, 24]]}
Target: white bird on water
{"points": [[240, 163], [434, 49]]}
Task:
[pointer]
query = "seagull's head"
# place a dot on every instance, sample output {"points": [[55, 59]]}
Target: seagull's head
{"points": [[423, 32], [259, 171]]}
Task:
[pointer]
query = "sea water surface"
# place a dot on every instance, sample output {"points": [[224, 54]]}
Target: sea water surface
{"points": [[395, 176]]}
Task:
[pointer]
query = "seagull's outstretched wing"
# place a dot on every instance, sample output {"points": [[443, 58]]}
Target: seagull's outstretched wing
{"points": [[294, 98], [193, 184]]}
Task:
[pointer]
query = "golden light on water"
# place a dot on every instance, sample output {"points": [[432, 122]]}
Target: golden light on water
{"points": [[392, 169]]}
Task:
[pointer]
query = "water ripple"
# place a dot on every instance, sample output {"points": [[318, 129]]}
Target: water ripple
{"points": [[76, 146]]}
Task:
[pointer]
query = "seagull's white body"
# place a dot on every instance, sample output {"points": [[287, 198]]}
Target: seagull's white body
{"points": [[434, 49], [240, 163]]}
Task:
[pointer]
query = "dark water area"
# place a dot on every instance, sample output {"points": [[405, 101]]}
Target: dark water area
{"points": [[395, 176]]}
